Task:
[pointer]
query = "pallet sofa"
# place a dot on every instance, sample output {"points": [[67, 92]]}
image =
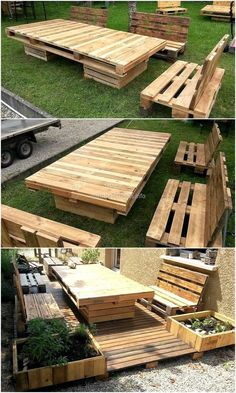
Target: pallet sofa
{"points": [[193, 214], [177, 289], [219, 10], [91, 16], [170, 7], [20, 229], [188, 89], [35, 305], [198, 156], [173, 29]]}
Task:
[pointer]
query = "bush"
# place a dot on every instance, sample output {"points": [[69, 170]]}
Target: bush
{"points": [[90, 255], [6, 257], [7, 291]]}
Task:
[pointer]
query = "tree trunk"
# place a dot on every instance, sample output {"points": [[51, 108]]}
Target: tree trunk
{"points": [[132, 8]]}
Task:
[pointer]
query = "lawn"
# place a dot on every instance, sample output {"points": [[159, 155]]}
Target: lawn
{"points": [[130, 231], [59, 88]]}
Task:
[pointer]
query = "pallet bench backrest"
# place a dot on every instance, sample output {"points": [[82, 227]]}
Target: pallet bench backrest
{"points": [[222, 3], [208, 69], [168, 4], [91, 16], [172, 28], [212, 143], [19, 291], [185, 283], [218, 200]]}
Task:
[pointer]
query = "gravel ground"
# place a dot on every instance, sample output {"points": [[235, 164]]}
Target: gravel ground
{"points": [[51, 143], [6, 113]]}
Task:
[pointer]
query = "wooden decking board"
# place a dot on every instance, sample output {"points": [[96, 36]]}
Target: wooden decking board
{"points": [[107, 172]]}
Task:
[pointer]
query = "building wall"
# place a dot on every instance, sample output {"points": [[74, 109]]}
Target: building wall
{"points": [[142, 265]]}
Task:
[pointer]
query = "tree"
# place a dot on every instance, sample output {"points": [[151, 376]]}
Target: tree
{"points": [[132, 8]]}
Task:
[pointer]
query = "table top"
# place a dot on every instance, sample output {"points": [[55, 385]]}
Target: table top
{"points": [[109, 171], [112, 46], [94, 283]]}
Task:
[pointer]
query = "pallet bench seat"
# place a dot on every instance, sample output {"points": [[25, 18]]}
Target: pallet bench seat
{"points": [[32, 283], [20, 229], [177, 289], [219, 10], [188, 89], [170, 7], [49, 262], [173, 29], [109, 56], [192, 215], [35, 305], [198, 156], [91, 16]]}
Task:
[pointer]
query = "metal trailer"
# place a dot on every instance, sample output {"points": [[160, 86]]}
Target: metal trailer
{"points": [[18, 136]]}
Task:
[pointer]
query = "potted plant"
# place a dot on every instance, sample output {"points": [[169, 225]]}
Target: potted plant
{"points": [[90, 255], [54, 353], [203, 330]]}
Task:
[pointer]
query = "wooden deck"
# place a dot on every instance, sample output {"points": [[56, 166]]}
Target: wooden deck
{"points": [[127, 343], [105, 177], [109, 56]]}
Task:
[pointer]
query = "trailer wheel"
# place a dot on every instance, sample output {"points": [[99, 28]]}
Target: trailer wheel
{"points": [[8, 156], [24, 149]]}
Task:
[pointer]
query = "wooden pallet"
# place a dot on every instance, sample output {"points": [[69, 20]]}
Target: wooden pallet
{"points": [[104, 178], [177, 290], [219, 12], [22, 229], [99, 293], [109, 56], [143, 340], [170, 7], [92, 16], [198, 155], [32, 283], [188, 89], [49, 262], [173, 29], [192, 215]]}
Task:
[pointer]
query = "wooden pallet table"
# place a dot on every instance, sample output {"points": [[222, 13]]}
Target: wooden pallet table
{"points": [[188, 89], [99, 293], [109, 56], [219, 10], [22, 229], [103, 178]]}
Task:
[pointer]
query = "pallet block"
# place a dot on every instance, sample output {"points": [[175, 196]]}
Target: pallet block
{"points": [[188, 89], [192, 215]]}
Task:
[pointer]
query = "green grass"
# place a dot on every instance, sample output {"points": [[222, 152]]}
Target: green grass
{"points": [[59, 88], [130, 231]]}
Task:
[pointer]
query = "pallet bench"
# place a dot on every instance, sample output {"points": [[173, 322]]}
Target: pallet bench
{"points": [[32, 283], [170, 7], [173, 29], [103, 178], [92, 16], [198, 156], [192, 215], [188, 89], [20, 229], [219, 10], [49, 262], [109, 56], [37, 305], [177, 289]]}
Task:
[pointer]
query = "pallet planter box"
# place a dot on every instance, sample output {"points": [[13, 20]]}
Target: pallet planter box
{"points": [[201, 342], [52, 375]]}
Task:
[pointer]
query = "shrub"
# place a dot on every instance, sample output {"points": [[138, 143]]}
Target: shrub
{"points": [[90, 255]]}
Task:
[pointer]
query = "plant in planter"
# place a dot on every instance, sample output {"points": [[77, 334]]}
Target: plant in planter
{"points": [[90, 255], [208, 325], [54, 353]]}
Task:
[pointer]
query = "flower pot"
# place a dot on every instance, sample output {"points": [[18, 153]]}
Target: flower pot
{"points": [[198, 341], [52, 375]]}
